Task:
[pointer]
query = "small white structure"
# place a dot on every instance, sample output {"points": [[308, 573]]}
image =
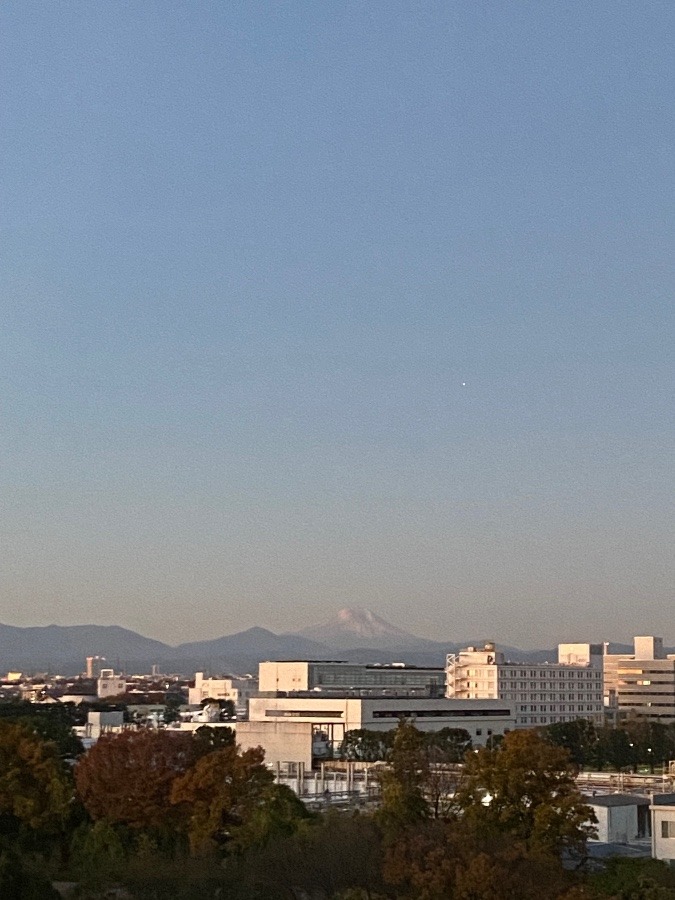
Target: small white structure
{"points": [[110, 685], [663, 827], [618, 818], [238, 690]]}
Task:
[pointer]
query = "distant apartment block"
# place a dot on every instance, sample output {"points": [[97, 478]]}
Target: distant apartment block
{"points": [[541, 693]]}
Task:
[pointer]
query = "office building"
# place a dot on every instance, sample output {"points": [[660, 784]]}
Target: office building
{"points": [[541, 693]]}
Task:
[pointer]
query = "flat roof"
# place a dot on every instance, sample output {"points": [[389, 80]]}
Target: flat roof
{"points": [[616, 800], [344, 662]]}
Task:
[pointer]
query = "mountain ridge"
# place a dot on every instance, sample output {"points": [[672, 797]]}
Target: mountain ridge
{"points": [[360, 636]]}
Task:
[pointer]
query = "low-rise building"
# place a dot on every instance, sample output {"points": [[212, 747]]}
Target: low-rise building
{"points": [[663, 827], [332, 717], [622, 818]]}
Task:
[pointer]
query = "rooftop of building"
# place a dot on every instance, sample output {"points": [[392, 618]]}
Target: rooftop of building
{"points": [[616, 800], [343, 662]]}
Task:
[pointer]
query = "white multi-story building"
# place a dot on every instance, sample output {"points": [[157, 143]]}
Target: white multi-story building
{"points": [[642, 683], [541, 693], [238, 690]]}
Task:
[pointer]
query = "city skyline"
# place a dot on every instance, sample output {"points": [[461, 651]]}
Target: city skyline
{"points": [[313, 306]]}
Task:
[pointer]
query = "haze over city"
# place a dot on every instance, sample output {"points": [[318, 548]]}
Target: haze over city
{"points": [[308, 306]]}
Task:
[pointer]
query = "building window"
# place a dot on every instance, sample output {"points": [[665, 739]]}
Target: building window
{"points": [[668, 828]]}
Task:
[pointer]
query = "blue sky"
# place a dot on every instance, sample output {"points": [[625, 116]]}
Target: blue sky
{"points": [[309, 305]]}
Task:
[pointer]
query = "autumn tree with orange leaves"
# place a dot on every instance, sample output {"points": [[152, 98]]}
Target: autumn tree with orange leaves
{"points": [[127, 777]]}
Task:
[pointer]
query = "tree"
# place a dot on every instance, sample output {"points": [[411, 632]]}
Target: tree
{"points": [[34, 786], [613, 748], [219, 793], [127, 777], [52, 722], [449, 745], [579, 738], [208, 739], [651, 741], [402, 784], [365, 745], [526, 789], [279, 813]]}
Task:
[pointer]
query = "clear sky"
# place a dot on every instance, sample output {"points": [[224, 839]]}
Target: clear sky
{"points": [[307, 305]]}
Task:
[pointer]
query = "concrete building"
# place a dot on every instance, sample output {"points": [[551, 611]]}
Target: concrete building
{"points": [[332, 717], [663, 827], [642, 683], [622, 818], [340, 678], [110, 685], [238, 690], [541, 693]]}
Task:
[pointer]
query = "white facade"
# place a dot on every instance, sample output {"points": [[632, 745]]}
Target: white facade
{"points": [[110, 685], [541, 693], [238, 690], [642, 683], [332, 717], [333, 677], [617, 816], [663, 827]]}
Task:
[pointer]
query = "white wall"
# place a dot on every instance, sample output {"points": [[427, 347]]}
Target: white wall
{"points": [[616, 824], [663, 847]]}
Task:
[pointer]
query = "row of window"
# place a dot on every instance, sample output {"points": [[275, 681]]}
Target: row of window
{"points": [[438, 713], [581, 707], [545, 720], [545, 674], [560, 698]]}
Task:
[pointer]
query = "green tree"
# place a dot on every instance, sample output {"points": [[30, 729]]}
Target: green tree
{"points": [[208, 739], [98, 851], [53, 722], [35, 789], [579, 738], [280, 813], [365, 745], [219, 793], [526, 788], [613, 748], [448, 745], [651, 742], [402, 784], [21, 881]]}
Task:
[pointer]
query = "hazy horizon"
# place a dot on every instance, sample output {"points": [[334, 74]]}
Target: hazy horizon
{"points": [[465, 640], [308, 306]]}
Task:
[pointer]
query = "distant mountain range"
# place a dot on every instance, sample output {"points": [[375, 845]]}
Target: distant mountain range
{"points": [[356, 635]]}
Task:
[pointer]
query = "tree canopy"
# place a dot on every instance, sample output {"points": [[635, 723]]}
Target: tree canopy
{"points": [[127, 777], [526, 788], [35, 789]]}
